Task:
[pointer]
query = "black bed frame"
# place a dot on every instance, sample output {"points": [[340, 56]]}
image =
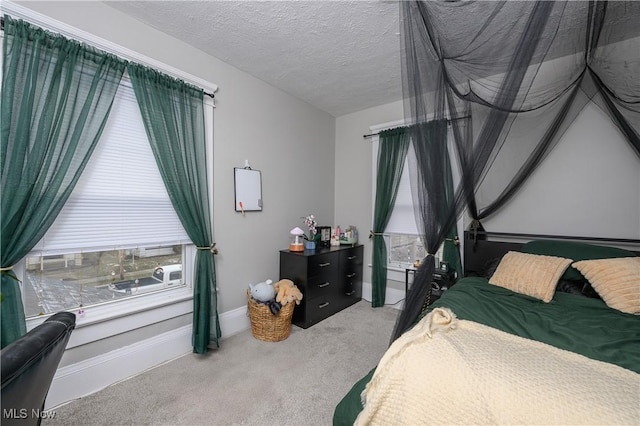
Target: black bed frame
{"points": [[483, 247]]}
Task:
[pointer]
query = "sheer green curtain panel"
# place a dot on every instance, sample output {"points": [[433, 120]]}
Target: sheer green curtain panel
{"points": [[451, 245], [392, 152], [173, 115], [56, 97]]}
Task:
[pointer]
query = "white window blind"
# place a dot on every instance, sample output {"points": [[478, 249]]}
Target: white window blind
{"points": [[120, 201], [402, 219]]}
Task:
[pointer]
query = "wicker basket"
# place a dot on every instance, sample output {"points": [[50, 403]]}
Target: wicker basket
{"points": [[266, 326]]}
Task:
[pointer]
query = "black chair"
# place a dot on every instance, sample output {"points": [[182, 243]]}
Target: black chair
{"points": [[28, 367]]}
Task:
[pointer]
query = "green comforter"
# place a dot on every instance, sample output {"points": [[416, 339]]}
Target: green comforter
{"points": [[575, 323]]}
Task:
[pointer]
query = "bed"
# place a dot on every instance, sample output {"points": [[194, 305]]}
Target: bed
{"points": [[509, 344]]}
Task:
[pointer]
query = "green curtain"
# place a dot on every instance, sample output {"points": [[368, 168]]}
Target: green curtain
{"points": [[392, 152], [173, 115], [56, 97], [451, 245], [451, 253]]}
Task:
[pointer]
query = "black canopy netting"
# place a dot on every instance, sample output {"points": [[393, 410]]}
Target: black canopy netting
{"points": [[495, 85]]}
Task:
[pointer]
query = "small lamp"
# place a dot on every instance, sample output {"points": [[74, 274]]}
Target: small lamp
{"points": [[296, 241]]}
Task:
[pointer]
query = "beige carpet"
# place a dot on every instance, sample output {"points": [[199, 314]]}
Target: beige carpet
{"points": [[297, 381]]}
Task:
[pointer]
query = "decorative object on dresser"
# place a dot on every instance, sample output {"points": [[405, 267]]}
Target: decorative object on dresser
{"points": [[311, 223], [296, 239], [324, 236], [335, 237], [349, 235], [329, 278]]}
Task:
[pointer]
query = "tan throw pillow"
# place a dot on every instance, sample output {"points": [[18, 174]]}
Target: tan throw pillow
{"points": [[531, 274], [617, 281]]}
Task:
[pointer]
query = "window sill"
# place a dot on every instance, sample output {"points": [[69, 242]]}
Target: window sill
{"points": [[110, 319], [395, 273]]}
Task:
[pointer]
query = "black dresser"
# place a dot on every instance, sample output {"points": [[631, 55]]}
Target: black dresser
{"points": [[330, 279]]}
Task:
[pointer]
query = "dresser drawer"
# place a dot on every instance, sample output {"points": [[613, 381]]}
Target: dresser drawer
{"points": [[350, 293], [351, 264], [322, 307], [352, 256], [322, 284], [351, 276], [323, 264]]}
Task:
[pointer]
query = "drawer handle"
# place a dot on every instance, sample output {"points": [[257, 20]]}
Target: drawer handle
{"points": [[352, 257], [323, 305], [322, 265], [324, 284], [351, 275], [351, 293]]}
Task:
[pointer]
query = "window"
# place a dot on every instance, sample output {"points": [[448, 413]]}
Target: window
{"points": [[88, 240], [118, 235], [403, 250], [404, 244], [65, 282]]}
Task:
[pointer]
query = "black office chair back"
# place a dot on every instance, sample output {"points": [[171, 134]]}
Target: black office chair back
{"points": [[28, 366]]}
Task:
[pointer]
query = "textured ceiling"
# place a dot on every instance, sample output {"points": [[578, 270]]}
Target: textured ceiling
{"points": [[341, 56]]}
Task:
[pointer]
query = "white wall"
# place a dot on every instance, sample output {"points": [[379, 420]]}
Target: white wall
{"points": [[589, 185], [353, 185]]}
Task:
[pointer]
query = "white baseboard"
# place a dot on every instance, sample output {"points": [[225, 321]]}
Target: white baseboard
{"points": [[86, 377], [91, 375], [393, 297], [234, 322]]}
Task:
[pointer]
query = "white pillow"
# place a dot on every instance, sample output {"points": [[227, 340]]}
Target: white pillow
{"points": [[531, 274], [617, 281]]}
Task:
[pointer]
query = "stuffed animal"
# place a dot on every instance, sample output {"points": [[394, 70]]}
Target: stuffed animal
{"points": [[281, 287], [262, 292], [287, 292]]}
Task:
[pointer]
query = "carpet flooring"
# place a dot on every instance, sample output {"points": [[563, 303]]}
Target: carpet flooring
{"points": [[297, 381]]}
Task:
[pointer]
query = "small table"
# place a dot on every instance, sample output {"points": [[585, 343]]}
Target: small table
{"points": [[406, 279], [441, 283]]}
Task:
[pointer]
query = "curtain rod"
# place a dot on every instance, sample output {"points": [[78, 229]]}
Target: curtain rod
{"points": [[370, 135], [211, 95]]}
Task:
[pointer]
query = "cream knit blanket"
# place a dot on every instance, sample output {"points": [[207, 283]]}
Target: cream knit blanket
{"points": [[450, 371]]}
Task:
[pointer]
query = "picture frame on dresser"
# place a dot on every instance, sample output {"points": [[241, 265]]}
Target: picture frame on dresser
{"points": [[324, 236]]}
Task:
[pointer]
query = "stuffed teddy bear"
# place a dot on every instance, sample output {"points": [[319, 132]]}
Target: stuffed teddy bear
{"points": [[287, 292], [262, 292]]}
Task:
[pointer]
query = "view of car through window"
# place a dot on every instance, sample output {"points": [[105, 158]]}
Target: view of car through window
{"points": [[62, 282]]}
